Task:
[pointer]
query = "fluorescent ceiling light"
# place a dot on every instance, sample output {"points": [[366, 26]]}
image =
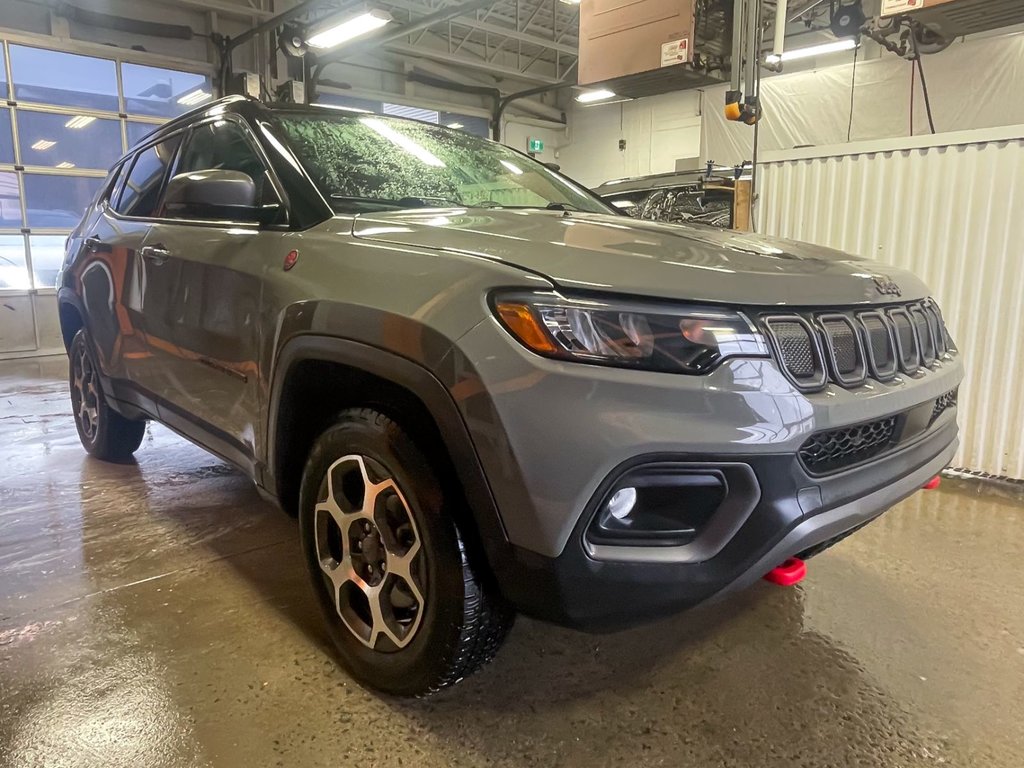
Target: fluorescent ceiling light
{"points": [[42, 144], [456, 126], [343, 109], [334, 33], [846, 44], [194, 97], [65, 164], [79, 121], [599, 95], [402, 141], [514, 168]]}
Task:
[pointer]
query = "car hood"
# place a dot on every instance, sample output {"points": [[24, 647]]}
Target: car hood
{"points": [[600, 252]]}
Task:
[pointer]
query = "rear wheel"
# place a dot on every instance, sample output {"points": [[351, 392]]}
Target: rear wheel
{"points": [[405, 609], [104, 432]]}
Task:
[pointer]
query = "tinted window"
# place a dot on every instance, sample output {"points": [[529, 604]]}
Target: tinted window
{"points": [[141, 189], [137, 131], [10, 200], [47, 256], [224, 145], [6, 141], [58, 201], [162, 92], [68, 141], [53, 77], [13, 266]]}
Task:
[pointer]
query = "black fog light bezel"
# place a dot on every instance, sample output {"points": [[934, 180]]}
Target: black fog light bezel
{"points": [[739, 492]]}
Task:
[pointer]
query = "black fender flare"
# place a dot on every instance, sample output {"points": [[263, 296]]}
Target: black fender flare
{"points": [[430, 391]]}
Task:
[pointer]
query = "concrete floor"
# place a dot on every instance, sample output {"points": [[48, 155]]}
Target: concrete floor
{"points": [[158, 615]]}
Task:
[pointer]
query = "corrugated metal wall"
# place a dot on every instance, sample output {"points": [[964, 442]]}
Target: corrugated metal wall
{"points": [[951, 209]]}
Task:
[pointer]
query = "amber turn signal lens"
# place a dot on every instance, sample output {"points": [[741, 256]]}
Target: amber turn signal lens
{"points": [[521, 321]]}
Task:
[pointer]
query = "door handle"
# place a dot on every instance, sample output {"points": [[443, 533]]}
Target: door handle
{"points": [[95, 244], [155, 253]]}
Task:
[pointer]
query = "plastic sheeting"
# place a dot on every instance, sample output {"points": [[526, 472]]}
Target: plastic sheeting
{"points": [[973, 84]]}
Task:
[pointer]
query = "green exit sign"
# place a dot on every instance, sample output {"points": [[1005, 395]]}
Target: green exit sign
{"points": [[535, 145]]}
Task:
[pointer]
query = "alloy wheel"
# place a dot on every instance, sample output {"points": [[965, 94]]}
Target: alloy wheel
{"points": [[85, 394], [369, 552]]}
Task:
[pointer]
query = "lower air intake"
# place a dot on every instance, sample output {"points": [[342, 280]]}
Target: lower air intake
{"points": [[838, 449]]}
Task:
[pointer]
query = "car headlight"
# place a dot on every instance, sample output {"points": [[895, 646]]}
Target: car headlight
{"points": [[628, 333]]}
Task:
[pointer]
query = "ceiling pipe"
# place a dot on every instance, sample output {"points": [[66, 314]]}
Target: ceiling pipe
{"points": [[502, 104], [780, 27]]}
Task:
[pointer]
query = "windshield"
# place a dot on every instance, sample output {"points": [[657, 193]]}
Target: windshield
{"points": [[371, 163]]}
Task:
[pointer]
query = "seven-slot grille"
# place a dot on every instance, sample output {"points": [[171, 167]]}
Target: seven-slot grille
{"points": [[849, 346]]}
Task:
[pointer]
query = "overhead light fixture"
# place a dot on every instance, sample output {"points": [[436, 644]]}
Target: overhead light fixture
{"points": [[65, 164], [43, 144], [846, 44], [333, 33], [456, 126], [194, 97], [402, 141], [79, 121], [341, 108], [599, 95]]}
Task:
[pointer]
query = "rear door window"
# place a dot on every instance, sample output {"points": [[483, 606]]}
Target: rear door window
{"points": [[141, 190]]}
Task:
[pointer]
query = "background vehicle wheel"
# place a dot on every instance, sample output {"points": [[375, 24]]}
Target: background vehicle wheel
{"points": [[407, 612], [104, 432]]}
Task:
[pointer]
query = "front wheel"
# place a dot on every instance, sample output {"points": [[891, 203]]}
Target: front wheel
{"points": [[407, 612], [104, 432]]}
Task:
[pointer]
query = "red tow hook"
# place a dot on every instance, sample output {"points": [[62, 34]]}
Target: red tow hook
{"points": [[789, 573], [932, 484]]}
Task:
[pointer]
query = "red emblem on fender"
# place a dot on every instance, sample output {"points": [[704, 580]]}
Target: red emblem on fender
{"points": [[290, 259]]}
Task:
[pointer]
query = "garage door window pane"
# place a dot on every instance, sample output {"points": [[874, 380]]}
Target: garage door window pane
{"points": [[58, 201], [142, 188], [3, 76], [162, 92], [68, 141], [138, 131], [13, 267], [6, 139], [47, 255], [10, 201], [67, 79]]}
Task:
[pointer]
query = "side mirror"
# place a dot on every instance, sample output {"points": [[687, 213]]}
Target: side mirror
{"points": [[553, 166], [215, 195]]}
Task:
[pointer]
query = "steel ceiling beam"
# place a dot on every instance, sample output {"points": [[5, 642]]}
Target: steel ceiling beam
{"points": [[495, 29], [463, 61]]}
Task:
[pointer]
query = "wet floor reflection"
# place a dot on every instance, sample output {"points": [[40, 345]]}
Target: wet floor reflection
{"points": [[157, 614]]}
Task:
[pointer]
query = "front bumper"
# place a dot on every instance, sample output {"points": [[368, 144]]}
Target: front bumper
{"points": [[551, 436], [575, 589]]}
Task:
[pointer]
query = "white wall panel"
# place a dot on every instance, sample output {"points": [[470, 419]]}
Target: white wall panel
{"points": [[951, 209]]}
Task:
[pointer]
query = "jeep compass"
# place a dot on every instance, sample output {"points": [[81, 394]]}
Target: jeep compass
{"points": [[483, 391]]}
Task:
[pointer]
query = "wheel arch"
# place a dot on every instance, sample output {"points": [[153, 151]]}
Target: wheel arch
{"points": [[71, 317], [375, 377]]}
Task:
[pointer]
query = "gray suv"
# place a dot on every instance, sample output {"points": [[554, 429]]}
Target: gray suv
{"points": [[480, 388]]}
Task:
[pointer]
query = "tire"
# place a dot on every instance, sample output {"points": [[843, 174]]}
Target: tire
{"points": [[436, 619], [104, 432]]}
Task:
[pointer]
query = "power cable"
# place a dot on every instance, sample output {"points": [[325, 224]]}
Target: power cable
{"points": [[924, 83], [853, 91]]}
